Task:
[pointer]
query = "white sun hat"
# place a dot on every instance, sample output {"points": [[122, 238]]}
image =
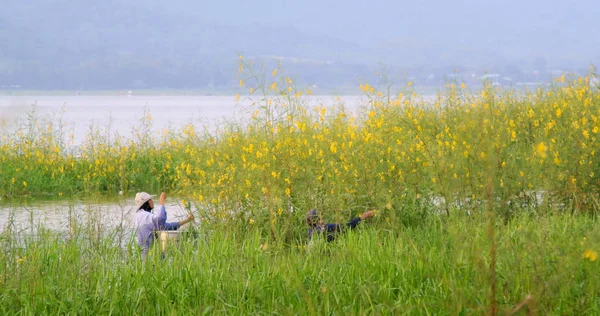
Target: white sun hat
{"points": [[141, 198]]}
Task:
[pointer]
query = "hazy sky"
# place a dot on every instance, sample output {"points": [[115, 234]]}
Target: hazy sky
{"points": [[364, 20], [513, 28], [559, 29], [145, 38]]}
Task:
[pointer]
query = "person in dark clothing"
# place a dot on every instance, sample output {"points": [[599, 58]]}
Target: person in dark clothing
{"points": [[316, 225]]}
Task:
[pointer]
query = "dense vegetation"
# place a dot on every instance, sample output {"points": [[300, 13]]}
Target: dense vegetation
{"points": [[457, 150], [436, 267], [484, 200]]}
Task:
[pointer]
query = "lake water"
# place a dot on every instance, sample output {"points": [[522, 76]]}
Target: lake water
{"points": [[61, 216], [122, 112]]}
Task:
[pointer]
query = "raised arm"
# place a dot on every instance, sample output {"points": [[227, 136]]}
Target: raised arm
{"points": [[351, 224], [159, 217], [176, 225]]}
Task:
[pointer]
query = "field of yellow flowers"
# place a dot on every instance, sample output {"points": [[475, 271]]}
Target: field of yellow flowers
{"points": [[514, 148], [464, 185]]}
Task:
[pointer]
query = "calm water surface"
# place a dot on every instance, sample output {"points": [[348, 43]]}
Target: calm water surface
{"points": [[63, 215], [122, 113]]}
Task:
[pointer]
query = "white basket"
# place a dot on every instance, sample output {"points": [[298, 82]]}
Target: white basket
{"points": [[168, 238]]}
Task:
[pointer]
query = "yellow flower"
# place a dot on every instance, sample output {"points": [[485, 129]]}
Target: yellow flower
{"points": [[573, 179], [591, 255], [251, 221], [333, 147], [542, 149], [274, 72]]}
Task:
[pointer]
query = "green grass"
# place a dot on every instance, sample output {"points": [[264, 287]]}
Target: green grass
{"points": [[441, 266]]}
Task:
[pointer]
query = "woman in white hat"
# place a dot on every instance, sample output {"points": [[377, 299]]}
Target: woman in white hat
{"points": [[148, 222]]}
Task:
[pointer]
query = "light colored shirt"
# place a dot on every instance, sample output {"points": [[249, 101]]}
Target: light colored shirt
{"points": [[149, 222]]}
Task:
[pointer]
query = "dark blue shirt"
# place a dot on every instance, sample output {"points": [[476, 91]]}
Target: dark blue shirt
{"points": [[330, 230]]}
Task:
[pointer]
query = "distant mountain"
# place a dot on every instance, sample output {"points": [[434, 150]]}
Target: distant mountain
{"points": [[112, 44], [72, 45]]}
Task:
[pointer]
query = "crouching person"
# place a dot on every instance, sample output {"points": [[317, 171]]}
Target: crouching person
{"points": [[149, 222], [316, 225]]}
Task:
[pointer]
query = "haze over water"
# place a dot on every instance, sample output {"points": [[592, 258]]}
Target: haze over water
{"points": [[124, 113]]}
